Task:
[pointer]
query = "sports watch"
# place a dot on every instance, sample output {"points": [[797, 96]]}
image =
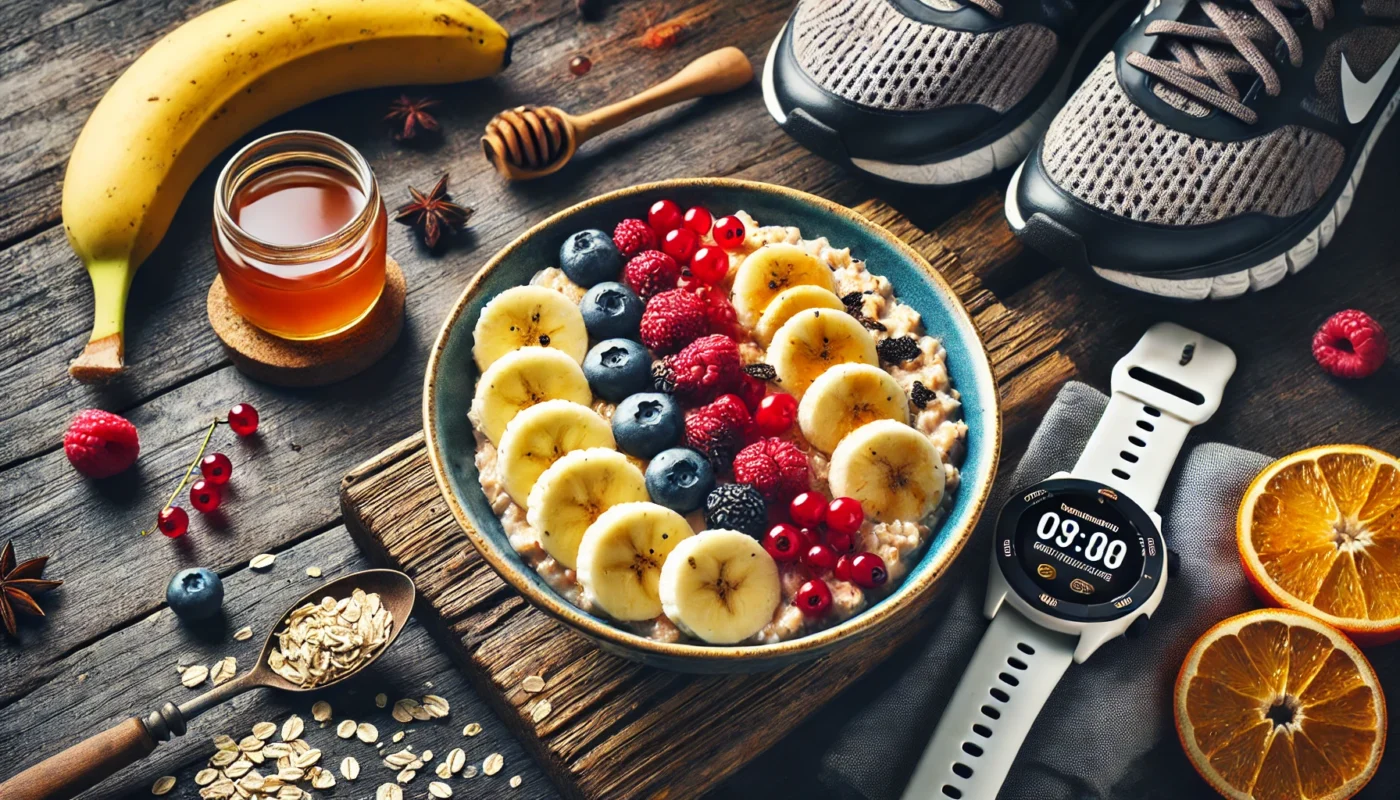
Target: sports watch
{"points": [[1077, 559]]}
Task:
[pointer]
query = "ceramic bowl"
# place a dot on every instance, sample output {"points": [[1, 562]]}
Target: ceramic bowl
{"points": [[452, 375]]}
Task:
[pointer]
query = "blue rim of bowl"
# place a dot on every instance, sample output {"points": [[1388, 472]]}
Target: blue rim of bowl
{"points": [[509, 565]]}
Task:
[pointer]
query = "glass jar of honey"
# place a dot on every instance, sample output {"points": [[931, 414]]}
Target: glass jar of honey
{"points": [[300, 234]]}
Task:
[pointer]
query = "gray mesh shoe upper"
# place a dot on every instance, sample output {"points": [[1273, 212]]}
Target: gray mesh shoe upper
{"points": [[869, 53]]}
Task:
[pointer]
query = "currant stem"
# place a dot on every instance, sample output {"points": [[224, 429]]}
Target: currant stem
{"points": [[209, 434]]}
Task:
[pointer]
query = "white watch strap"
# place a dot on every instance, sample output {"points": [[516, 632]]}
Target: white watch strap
{"points": [[1170, 382], [1015, 668]]}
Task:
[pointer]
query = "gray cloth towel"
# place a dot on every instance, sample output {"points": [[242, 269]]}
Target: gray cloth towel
{"points": [[1108, 730]]}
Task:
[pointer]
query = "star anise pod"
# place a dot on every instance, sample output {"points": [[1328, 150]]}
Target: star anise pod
{"points": [[433, 213], [410, 115], [19, 584]]}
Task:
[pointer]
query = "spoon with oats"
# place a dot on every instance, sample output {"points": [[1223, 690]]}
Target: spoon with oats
{"points": [[324, 638]]}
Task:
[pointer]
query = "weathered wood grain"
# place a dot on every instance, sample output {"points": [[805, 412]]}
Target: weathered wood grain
{"points": [[616, 728], [132, 671]]}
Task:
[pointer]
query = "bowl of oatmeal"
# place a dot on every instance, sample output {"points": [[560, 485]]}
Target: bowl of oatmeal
{"points": [[891, 397]]}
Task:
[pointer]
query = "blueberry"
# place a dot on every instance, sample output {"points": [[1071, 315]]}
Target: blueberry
{"points": [[616, 368], [611, 310], [647, 423], [590, 257], [195, 593], [679, 479]]}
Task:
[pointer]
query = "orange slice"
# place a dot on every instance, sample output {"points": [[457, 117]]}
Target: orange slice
{"points": [[1319, 532], [1276, 705]]}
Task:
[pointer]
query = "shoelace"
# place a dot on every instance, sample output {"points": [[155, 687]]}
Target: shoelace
{"points": [[992, 7], [1233, 46]]}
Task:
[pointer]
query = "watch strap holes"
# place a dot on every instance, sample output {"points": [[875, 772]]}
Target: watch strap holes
{"points": [[962, 770], [1118, 473], [982, 730], [1151, 412], [1009, 680], [1128, 457], [1016, 663], [951, 791], [990, 712], [1165, 384], [1145, 425], [1025, 648], [972, 749], [1137, 442], [1000, 695]]}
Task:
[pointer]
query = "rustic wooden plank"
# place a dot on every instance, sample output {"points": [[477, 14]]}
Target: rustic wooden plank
{"points": [[132, 671], [616, 728]]}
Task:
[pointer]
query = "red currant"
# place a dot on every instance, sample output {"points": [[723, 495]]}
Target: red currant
{"points": [[819, 558], [837, 540], [243, 419], [173, 521], [868, 571], [730, 233], [843, 567], [814, 598], [698, 219], [216, 468], [680, 244], [664, 216], [205, 496], [709, 264], [844, 515], [775, 414], [783, 542], [808, 509], [809, 538]]}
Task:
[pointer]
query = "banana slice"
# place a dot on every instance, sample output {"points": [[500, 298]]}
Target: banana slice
{"points": [[620, 558], [893, 470], [521, 379], [814, 341], [846, 397], [771, 269], [525, 316], [788, 302], [574, 492], [720, 586], [541, 435]]}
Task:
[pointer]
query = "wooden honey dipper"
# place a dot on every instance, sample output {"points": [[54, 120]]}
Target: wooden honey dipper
{"points": [[533, 141]]}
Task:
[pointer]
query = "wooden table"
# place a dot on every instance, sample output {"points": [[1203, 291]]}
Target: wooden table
{"points": [[109, 647]]}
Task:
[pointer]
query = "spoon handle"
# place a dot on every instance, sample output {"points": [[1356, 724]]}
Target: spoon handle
{"points": [[83, 765], [721, 71]]}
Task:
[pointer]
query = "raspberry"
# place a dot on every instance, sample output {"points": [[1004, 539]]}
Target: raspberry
{"points": [[736, 507], [719, 312], [718, 429], [1350, 344], [100, 444], [650, 273], [705, 369], [672, 320], [776, 468], [632, 236], [752, 391]]}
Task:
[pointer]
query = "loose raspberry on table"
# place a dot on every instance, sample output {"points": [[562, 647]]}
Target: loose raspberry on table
{"points": [[672, 320], [100, 444], [718, 430], [1350, 344], [633, 236], [650, 273], [705, 368], [776, 468]]}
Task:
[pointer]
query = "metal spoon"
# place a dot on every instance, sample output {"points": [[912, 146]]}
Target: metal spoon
{"points": [[85, 764]]}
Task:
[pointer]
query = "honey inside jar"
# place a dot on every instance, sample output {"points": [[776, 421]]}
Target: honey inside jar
{"points": [[300, 235]]}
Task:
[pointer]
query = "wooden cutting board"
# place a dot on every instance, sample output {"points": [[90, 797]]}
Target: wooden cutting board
{"points": [[603, 726]]}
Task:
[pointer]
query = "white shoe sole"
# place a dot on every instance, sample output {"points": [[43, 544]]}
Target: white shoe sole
{"points": [[1000, 154], [1252, 279]]}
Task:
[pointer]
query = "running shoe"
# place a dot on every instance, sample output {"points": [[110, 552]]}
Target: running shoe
{"points": [[1217, 149], [931, 91]]}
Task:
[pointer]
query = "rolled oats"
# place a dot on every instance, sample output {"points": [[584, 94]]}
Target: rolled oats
{"points": [[349, 768], [304, 760], [322, 778], [400, 759], [238, 768], [277, 750], [206, 776], [435, 707], [542, 709], [469, 771], [472, 729], [493, 764], [224, 670], [194, 676], [163, 784], [440, 790], [443, 770], [223, 758], [345, 729], [427, 755], [264, 731], [225, 742], [398, 736], [406, 775], [262, 561], [515, 782], [252, 782], [290, 774], [389, 791], [243, 634], [292, 728], [251, 743], [532, 684], [313, 572], [403, 710], [321, 711], [456, 760], [326, 641], [367, 733]]}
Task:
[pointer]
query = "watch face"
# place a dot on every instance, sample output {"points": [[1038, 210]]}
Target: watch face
{"points": [[1080, 550]]}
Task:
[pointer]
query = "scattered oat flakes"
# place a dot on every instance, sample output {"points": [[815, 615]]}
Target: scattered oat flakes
{"points": [[402, 710], [313, 572], [253, 782], [435, 707], [381, 700], [400, 759], [264, 731], [321, 711], [305, 760], [250, 743], [542, 709], [345, 729], [163, 784], [493, 764], [443, 770], [277, 749], [515, 782], [470, 771], [262, 561], [406, 775], [82, 677], [389, 791], [398, 736], [472, 729], [225, 742], [427, 755], [532, 684], [243, 634], [194, 676], [223, 758], [206, 776], [349, 768], [224, 670], [238, 768], [322, 778], [367, 733], [292, 728], [456, 760], [290, 774], [439, 789], [326, 641]]}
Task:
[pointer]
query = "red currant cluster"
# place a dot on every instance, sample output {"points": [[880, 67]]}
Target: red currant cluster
{"points": [[681, 235], [821, 537], [207, 493]]}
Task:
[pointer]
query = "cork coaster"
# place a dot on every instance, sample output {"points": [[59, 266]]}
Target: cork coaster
{"points": [[260, 355]]}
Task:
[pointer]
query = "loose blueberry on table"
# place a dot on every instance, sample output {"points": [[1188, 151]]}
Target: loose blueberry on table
{"points": [[195, 594]]}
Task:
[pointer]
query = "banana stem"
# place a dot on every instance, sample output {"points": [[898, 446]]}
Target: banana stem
{"points": [[103, 358]]}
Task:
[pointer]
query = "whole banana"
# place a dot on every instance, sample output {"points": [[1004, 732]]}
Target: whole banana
{"points": [[213, 79]]}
